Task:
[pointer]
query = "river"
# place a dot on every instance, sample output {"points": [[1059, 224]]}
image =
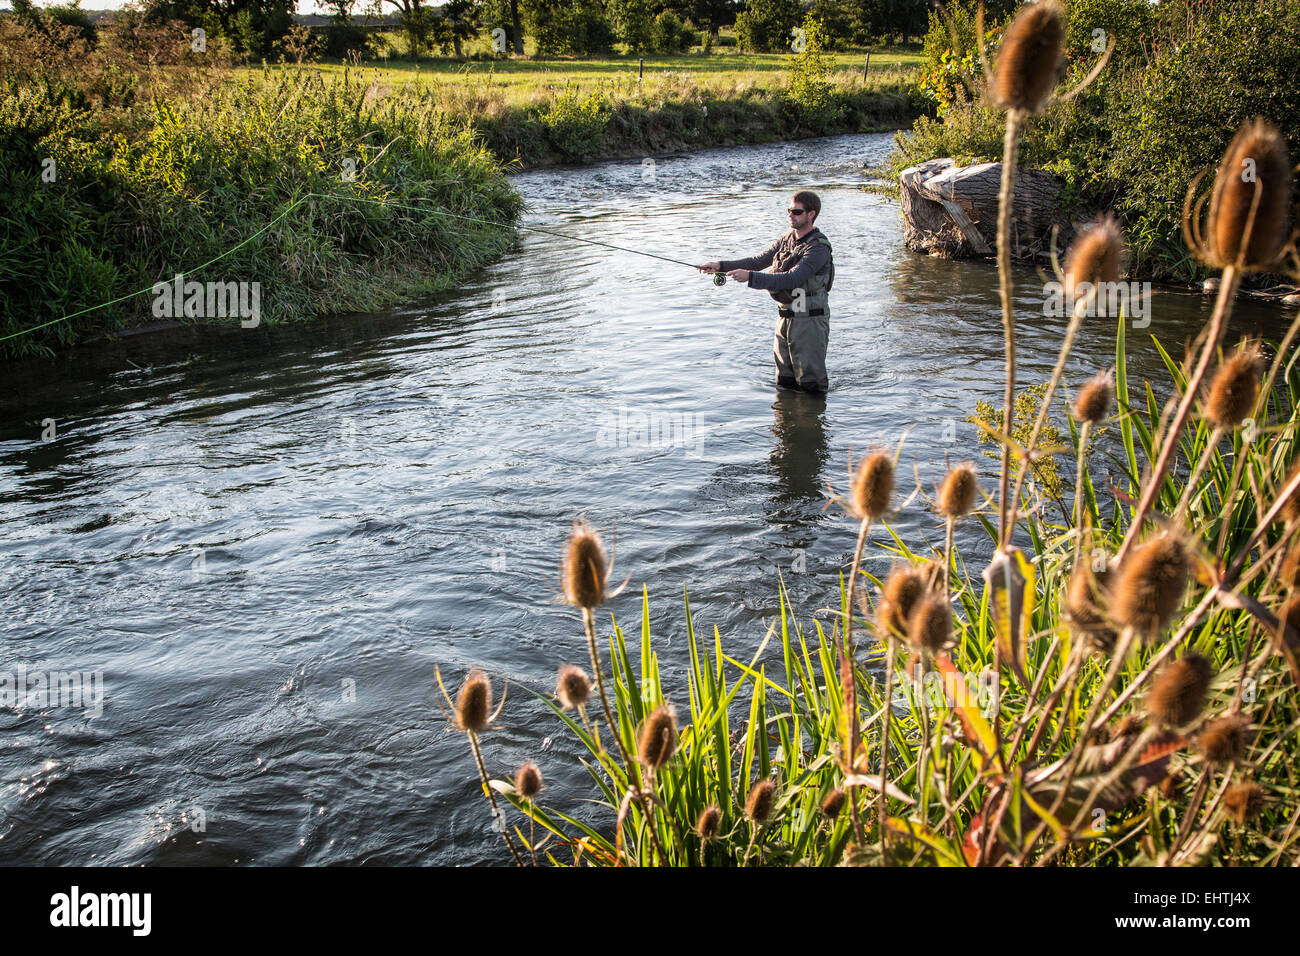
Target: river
{"points": [[263, 540]]}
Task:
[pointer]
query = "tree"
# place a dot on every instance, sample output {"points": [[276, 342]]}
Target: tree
{"points": [[459, 22], [504, 14], [767, 26], [255, 27], [632, 20]]}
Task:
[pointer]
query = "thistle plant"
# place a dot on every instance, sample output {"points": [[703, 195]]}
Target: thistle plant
{"points": [[1152, 639]]}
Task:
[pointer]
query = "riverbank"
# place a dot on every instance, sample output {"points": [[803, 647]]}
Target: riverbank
{"points": [[308, 191], [1180, 80]]}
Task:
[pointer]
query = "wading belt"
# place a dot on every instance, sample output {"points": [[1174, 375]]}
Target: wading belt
{"points": [[792, 314]]}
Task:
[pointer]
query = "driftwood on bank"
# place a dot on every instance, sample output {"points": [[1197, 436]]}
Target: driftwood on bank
{"points": [[952, 211]]}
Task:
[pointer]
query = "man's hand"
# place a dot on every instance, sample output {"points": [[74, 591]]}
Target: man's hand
{"points": [[710, 267], [739, 275]]}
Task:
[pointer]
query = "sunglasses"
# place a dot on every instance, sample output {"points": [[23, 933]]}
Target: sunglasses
{"points": [[796, 211]]}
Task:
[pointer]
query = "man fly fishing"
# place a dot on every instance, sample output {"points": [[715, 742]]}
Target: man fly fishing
{"points": [[798, 274]]}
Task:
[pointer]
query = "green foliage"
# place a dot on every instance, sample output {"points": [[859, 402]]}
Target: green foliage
{"points": [[579, 28], [575, 121], [1163, 109], [1024, 414], [668, 34], [767, 26], [811, 88], [188, 179], [633, 21]]}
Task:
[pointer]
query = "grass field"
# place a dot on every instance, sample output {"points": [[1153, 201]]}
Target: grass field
{"points": [[520, 81]]}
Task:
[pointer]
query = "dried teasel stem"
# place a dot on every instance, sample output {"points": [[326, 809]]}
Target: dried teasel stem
{"points": [[1086, 730], [1094, 259], [487, 788], [848, 675], [1228, 285], [528, 783], [1005, 290], [633, 771]]}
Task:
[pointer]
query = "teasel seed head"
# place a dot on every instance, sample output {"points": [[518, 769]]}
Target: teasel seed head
{"points": [[1094, 399], [1030, 61], [658, 740], [833, 803], [929, 628], [1130, 723], [706, 827], [1097, 255], [1289, 616], [758, 805], [528, 781], [1243, 801], [1083, 602], [1150, 584], [1169, 785], [1222, 739], [1291, 569], [904, 586], [1234, 388], [573, 687], [1290, 512], [585, 569], [1179, 691], [474, 702], [957, 493], [872, 485], [1256, 159]]}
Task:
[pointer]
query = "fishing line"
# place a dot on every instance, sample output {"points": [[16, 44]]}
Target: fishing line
{"points": [[718, 278]]}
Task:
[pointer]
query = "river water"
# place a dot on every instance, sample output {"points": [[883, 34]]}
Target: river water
{"points": [[264, 540]]}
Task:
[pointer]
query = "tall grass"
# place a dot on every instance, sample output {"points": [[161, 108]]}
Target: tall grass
{"points": [[107, 196]]}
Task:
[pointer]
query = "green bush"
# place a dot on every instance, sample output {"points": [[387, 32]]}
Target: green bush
{"points": [[668, 34], [766, 26], [575, 122]]}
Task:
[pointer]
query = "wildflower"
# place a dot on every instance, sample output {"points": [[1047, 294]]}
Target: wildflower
{"points": [[573, 687], [658, 738], [474, 702], [758, 805], [528, 781], [585, 569], [1150, 585], [1179, 691], [957, 494], [1030, 60], [1094, 400]]}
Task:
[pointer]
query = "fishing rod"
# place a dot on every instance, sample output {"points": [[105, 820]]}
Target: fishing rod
{"points": [[718, 278]]}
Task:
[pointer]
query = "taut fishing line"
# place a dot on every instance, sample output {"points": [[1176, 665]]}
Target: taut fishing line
{"points": [[718, 277]]}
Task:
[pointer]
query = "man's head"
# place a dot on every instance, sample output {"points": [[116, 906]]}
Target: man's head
{"points": [[804, 209]]}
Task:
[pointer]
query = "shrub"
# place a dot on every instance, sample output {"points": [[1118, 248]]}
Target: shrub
{"points": [[766, 26], [669, 34]]}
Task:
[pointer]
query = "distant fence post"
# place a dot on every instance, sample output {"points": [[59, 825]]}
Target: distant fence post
{"points": [[640, 68], [866, 65]]}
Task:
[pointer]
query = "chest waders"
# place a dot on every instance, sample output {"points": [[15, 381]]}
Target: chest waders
{"points": [[803, 325]]}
